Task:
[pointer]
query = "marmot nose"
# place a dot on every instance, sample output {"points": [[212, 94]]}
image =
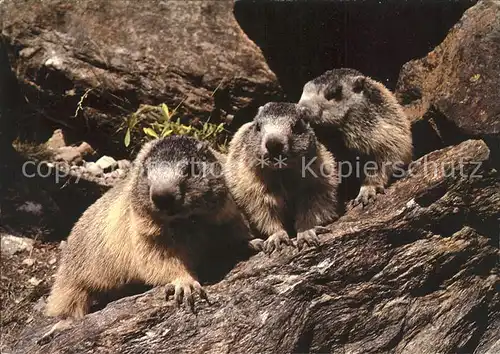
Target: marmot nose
{"points": [[164, 199], [274, 147]]}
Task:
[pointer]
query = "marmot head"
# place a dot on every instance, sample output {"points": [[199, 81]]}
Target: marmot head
{"points": [[281, 132], [177, 177], [337, 93]]}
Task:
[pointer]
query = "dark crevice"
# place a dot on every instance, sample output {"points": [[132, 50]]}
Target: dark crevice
{"points": [[410, 95], [478, 316], [300, 40], [444, 270], [493, 144], [433, 132], [449, 224], [304, 342], [431, 195]]}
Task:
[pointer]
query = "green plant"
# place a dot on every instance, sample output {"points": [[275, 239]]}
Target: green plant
{"points": [[160, 121]]}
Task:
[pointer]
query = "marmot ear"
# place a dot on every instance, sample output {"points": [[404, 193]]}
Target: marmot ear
{"points": [[358, 84]]}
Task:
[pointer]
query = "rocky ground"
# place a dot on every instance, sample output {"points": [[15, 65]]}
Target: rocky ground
{"points": [[27, 269], [29, 264]]}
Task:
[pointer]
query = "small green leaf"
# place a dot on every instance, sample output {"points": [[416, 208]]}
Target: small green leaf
{"points": [[150, 132], [475, 77], [127, 138], [167, 133], [165, 128], [166, 113]]}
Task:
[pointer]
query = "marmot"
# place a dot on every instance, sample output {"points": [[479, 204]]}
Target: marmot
{"points": [[282, 179], [150, 228], [358, 118]]}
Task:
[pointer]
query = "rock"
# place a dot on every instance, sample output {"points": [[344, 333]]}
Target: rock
{"points": [[57, 140], [124, 164], [454, 91], [29, 262], [85, 149], [40, 305], [107, 163], [191, 53], [120, 173], [12, 244], [93, 168], [31, 207], [358, 38], [407, 274], [34, 281]]}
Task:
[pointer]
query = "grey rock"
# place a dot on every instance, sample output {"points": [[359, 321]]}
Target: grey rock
{"points": [[120, 173], [62, 245], [57, 140], [107, 163], [13, 244], [185, 51], [69, 154], [31, 207], [454, 91], [93, 168], [34, 281], [29, 262], [40, 305], [124, 164]]}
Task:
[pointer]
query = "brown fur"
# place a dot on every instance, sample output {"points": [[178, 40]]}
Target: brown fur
{"points": [[281, 202], [360, 120], [119, 240]]}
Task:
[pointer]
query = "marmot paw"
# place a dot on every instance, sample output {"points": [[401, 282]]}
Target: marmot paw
{"points": [[366, 195], [308, 238], [277, 241], [256, 244], [185, 289]]}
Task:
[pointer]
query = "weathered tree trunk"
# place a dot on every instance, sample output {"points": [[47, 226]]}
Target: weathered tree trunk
{"points": [[413, 273]]}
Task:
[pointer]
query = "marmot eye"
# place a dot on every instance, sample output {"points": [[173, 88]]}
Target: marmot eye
{"points": [[257, 127], [334, 93]]}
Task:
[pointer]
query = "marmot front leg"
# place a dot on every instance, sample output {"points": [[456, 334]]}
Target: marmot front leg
{"points": [[185, 288], [277, 241], [179, 281], [310, 237], [374, 183], [313, 217], [271, 225], [307, 238]]}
